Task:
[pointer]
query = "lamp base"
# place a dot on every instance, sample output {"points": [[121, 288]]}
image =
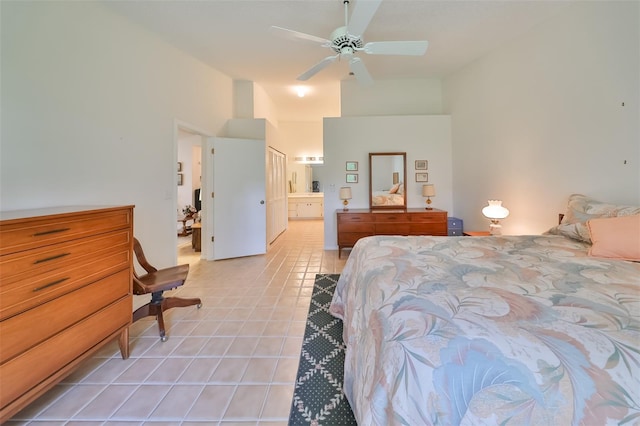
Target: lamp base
{"points": [[346, 203], [495, 228], [428, 204]]}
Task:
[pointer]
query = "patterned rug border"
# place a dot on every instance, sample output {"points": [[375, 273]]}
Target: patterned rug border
{"points": [[318, 398]]}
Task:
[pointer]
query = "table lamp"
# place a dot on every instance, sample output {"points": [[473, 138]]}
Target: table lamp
{"points": [[345, 196], [494, 212], [428, 190]]}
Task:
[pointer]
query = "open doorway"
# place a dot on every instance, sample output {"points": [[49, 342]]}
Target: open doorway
{"points": [[189, 207], [189, 197]]}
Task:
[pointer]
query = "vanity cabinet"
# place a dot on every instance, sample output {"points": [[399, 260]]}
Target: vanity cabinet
{"points": [[65, 291], [306, 207], [360, 223]]}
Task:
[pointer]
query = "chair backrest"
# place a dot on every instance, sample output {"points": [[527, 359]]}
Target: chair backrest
{"points": [[156, 279], [141, 258]]}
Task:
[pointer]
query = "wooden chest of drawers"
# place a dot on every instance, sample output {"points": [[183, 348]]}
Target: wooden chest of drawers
{"points": [[65, 291], [356, 224]]}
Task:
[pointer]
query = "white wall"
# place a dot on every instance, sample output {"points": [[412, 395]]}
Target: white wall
{"points": [[391, 97], [301, 138], [542, 118], [88, 109], [422, 137]]}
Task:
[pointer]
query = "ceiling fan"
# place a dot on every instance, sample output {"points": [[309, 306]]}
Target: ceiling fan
{"points": [[346, 42]]}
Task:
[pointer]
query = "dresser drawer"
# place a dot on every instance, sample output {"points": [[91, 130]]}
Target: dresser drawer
{"points": [[36, 232], [354, 217], [392, 228], [24, 331], [61, 255], [350, 238], [356, 227], [391, 217], [22, 292], [430, 217], [27, 370], [428, 229]]}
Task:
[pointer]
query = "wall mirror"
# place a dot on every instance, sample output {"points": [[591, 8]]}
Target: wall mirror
{"points": [[387, 180]]}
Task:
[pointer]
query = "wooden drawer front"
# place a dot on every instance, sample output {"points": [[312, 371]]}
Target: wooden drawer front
{"points": [[350, 238], [27, 370], [48, 258], [392, 229], [23, 293], [38, 232], [21, 332], [356, 227], [429, 218], [354, 217], [391, 217], [428, 229]]}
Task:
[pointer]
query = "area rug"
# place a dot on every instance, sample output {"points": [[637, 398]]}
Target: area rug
{"points": [[318, 398]]}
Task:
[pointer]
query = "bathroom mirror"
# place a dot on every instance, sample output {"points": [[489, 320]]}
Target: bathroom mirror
{"points": [[387, 180]]}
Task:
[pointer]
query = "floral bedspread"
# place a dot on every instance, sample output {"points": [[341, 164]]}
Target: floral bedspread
{"points": [[511, 330]]}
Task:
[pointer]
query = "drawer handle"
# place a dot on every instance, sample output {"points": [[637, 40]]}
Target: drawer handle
{"points": [[53, 231], [57, 256], [50, 284]]}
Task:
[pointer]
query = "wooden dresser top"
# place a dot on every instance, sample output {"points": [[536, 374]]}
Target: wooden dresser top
{"points": [[11, 215]]}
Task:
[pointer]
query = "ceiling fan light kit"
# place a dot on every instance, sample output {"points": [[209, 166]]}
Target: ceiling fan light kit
{"points": [[346, 41]]}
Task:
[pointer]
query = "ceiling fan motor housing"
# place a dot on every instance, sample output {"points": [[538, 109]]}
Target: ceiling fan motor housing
{"points": [[341, 40]]}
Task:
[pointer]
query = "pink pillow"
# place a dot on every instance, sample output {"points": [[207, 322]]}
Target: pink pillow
{"points": [[615, 237], [394, 188]]}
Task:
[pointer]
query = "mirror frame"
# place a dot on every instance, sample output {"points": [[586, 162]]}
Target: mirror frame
{"points": [[372, 173]]}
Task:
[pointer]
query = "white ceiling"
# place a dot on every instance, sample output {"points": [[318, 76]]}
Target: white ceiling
{"points": [[234, 37]]}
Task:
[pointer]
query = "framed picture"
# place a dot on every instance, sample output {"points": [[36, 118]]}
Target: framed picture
{"points": [[422, 177], [179, 166], [352, 178], [179, 179], [352, 166], [422, 165]]}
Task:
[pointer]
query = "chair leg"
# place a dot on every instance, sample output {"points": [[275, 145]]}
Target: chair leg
{"points": [[158, 305], [179, 302], [161, 330]]}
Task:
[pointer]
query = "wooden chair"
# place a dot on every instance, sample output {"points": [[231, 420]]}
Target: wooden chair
{"points": [[156, 282]]}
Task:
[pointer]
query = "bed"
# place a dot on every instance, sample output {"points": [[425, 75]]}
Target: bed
{"points": [[540, 329], [384, 198]]}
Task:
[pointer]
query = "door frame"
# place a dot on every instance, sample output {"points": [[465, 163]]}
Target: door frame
{"points": [[207, 209]]}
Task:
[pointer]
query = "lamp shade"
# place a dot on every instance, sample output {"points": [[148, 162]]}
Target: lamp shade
{"points": [[495, 210], [345, 193], [428, 190]]}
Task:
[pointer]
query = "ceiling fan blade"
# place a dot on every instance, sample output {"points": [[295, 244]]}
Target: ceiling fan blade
{"points": [[358, 69], [317, 68], [296, 35], [412, 48], [361, 16]]}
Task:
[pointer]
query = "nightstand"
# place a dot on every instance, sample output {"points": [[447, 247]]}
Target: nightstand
{"points": [[476, 233]]}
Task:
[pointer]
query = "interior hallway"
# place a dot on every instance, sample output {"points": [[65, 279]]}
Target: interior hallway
{"points": [[232, 362]]}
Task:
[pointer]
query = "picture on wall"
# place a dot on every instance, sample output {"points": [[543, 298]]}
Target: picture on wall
{"points": [[352, 166], [422, 164], [179, 179], [352, 178], [422, 177]]}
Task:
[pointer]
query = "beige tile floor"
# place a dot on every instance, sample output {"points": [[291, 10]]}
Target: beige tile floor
{"points": [[232, 362]]}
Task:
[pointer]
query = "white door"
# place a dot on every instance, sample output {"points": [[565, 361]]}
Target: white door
{"points": [[276, 194], [239, 210]]}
